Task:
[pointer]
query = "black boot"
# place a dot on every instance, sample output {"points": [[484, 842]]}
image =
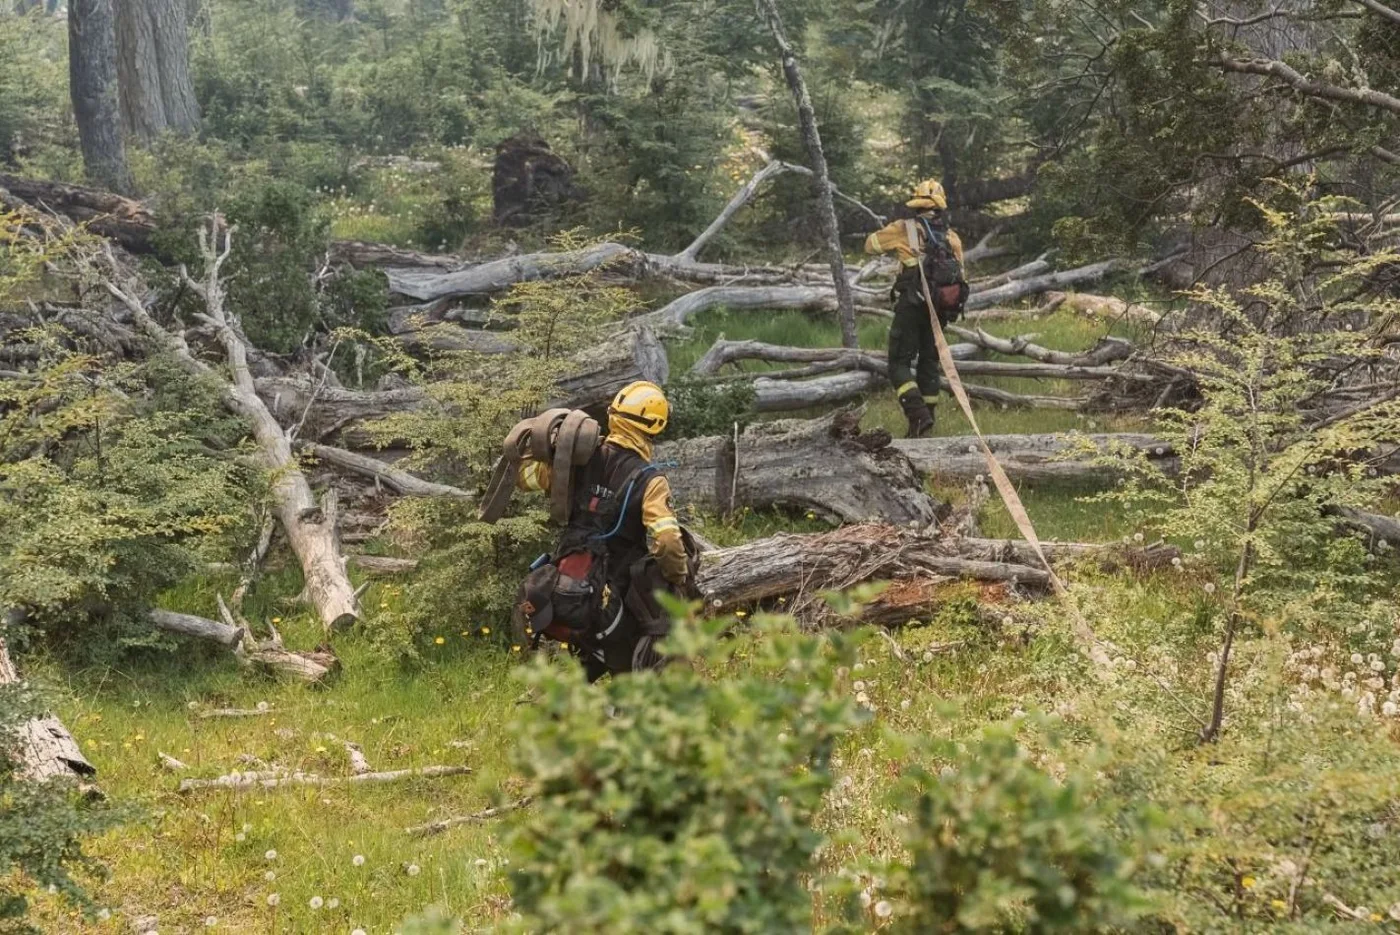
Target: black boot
{"points": [[917, 413]]}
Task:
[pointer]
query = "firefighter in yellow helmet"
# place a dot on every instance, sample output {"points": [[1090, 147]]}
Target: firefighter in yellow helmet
{"points": [[622, 520], [924, 238]]}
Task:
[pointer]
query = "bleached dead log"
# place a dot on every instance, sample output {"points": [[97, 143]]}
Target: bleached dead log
{"points": [[1035, 285], [1036, 267], [486, 814], [1030, 457], [1382, 531], [44, 747], [169, 762], [383, 564], [498, 275], [1103, 306], [787, 395], [677, 313], [237, 712], [201, 628], [243, 781], [786, 564], [311, 537], [822, 465], [724, 352], [1107, 351], [381, 472], [361, 255]]}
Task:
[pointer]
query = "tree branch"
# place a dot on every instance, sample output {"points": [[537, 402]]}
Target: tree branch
{"points": [[1271, 68]]}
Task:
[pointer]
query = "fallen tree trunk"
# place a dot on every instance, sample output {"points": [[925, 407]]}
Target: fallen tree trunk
{"points": [[1030, 457], [1103, 306], [44, 747], [797, 567], [260, 780], [822, 465], [309, 529], [380, 472], [486, 814], [201, 628], [1107, 351], [723, 352], [803, 565], [115, 217], [675, 314], [788, 395], [1035, 285]]}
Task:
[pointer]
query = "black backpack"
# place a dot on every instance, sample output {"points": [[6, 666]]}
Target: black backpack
{"points": [[943, 270]]}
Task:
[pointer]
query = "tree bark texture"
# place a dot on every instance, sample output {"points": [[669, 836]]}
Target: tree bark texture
{"points": [[1030, 457], [121, 219], [811, 136], [92, 85], [801, 565], [822, 465], [45, 747], [153, 61]]}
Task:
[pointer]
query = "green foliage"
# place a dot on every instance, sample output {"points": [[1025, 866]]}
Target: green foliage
{"points": [[699, 408], [109, 499], [34, 123], [998, 844], [680, 800], [42, 825]]}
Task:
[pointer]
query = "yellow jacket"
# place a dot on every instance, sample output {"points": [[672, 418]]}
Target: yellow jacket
{"points": [[894, 236], [662, 528]]}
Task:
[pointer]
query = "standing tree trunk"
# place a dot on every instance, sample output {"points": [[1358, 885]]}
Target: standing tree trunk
{"points": [[92, 84], [153, 61], [807, 120]]}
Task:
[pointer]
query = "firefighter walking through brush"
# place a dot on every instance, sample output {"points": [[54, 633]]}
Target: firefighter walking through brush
{"points": [[621, 541], [913, 356]]}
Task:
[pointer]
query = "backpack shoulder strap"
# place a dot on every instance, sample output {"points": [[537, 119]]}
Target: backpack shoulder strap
{"points": [[911, 234], [627, 486]]}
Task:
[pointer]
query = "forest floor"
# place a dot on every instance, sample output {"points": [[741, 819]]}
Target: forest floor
{"points": [[217, 857]]}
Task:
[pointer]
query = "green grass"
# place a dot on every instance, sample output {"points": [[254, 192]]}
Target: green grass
{"points": [[182, 860]]}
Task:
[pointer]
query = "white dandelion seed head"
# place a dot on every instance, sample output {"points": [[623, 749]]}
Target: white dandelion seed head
{"points": [[1389, 709], [104, 914], [782, 738], [1137, 537], [1357, 659], [481, 861], [210, 922], [1176, 562], [859, 686], [414, 870], [192, 705], [928, 656], [358, 860], [269, 876], [1377, 666], [865, 898], [333, 903], [247, 827], [263, 706], [271, 855], [883, 909], [904, 705], [273, 899], [862, 698], [1210, 587], [358, 932], [1199, 544], [858, 667], [240, 837], [316, 902]]}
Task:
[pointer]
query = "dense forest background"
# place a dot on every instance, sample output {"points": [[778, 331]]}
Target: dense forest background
{"points": [[276, 276]]}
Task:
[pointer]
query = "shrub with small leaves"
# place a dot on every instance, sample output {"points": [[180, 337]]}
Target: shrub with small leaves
{"points": [[679, 801], [998, 844]]}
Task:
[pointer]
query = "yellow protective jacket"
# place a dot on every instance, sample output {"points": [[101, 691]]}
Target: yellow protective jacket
{"points": [[662, 528], [894, 236]]}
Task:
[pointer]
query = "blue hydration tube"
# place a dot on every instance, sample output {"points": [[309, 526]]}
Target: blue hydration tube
{"points": [[627, 496]]}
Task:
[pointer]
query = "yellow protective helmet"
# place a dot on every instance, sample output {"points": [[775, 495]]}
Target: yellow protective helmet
{"points": [[643, 404], [928, 194]]}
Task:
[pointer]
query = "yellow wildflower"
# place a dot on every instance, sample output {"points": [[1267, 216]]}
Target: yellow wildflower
{"points": [[515, 648], [485, 631], [439, 640], [1247, 882]]}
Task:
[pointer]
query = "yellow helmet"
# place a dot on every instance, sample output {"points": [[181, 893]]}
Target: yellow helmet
{"points": [[928, 194], [644, 405]]}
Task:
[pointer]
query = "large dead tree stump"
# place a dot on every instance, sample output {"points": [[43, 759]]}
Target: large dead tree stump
{"points": [[45, 748], [1032, 457]]}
